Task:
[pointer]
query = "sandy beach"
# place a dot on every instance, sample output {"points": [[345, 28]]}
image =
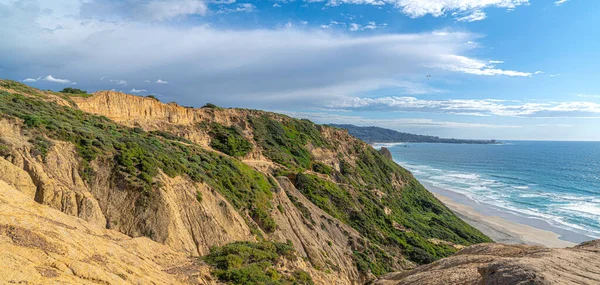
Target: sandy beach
{"points": [[501, 230]]}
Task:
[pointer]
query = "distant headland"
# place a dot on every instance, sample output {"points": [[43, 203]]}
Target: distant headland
{"points": [[382, 135]]}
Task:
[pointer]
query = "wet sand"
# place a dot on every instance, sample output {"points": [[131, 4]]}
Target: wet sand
{"points": [[500, 229]]}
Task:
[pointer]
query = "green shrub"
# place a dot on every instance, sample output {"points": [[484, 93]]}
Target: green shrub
{"points": [[73, 91], [285, 142], [254, 263], [212, 106], [322, 168], [229, 140], [198, 196]]}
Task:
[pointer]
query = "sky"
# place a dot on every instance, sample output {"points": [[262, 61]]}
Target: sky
{"points": [[477, 69]]}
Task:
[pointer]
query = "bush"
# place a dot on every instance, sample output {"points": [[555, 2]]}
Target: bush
{"points": [[254, 263], [285, 142], [322, 168], [73, 91], [229, 140], [198, 196], [212, 106]]}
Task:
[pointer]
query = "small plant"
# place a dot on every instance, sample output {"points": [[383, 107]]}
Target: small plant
{"points": [[198, 196], [212, 106], [152, 97], [322, 168]]}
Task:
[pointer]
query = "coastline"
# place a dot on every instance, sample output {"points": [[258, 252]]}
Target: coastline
{"points": [[499, 228]]}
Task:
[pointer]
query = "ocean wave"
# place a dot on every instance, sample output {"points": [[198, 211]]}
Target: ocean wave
{"points": [[558, 209], [585, 207]]}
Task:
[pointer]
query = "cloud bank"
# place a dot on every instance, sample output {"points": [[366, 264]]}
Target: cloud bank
{"points": [[472, 107]]}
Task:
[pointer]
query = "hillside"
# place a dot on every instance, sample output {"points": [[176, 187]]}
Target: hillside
{"points": [[382, 135], [254, 195]]}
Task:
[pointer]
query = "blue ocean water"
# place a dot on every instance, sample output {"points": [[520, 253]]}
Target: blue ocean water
{"points": [[558, 182]]}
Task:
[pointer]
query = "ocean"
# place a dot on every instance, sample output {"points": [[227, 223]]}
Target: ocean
{"points": [[554, 182]]}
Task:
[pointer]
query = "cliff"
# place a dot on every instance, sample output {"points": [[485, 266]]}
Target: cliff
{"points": [[199, 181]]}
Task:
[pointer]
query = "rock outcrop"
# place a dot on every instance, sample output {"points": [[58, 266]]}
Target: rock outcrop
{"points": [[507, 265]]}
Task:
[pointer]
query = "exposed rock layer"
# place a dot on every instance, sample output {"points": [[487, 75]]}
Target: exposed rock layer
{"points": [[507, 265]]}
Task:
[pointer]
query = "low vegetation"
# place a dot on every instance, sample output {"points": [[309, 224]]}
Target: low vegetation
{"points": [[229, 140], [285, 142], [255, 263], [73, 91]]}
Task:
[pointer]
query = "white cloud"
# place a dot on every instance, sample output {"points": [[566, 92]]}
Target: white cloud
{"points": [[554, 75], [496, 61], [473, 66], [242, 7], [119, 82], [276, 5], [560, 2], [147, 81], [474, 16], [393, 123], [588, 95], [160, 81], [538, 72], [168, 9], [477, 107], [138, 90], [29, 80], [354, 27], [437, 8], [271, 67], [51, 78]]}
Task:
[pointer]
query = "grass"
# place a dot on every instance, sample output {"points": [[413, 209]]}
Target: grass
{"points": [[255, 263]]}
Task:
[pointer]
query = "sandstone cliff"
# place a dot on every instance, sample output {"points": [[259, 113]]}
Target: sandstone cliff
{"points": [[40, 245]]}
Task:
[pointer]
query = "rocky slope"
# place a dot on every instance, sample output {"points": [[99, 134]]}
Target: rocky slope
{"points": [[41, 245], [193, 179], [508, 264]]}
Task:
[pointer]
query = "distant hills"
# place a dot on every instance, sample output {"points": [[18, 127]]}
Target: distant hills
{"points": [[377, 134]]}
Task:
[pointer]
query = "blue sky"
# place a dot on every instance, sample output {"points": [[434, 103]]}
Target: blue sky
{"points": [[502, 69]]}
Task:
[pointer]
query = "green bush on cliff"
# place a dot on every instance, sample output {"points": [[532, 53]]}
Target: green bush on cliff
{"points": [[254, 263], [229, 140], [322, 168], [284, 142], [75, 91]]}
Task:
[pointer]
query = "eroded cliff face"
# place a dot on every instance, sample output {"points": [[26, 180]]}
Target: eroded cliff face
{"points": [[40, 245]]}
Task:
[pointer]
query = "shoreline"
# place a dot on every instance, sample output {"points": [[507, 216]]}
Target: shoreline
{"points": [[498, 227]]}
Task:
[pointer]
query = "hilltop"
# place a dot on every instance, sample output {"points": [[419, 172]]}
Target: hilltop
{"points": [[382, 135]]}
